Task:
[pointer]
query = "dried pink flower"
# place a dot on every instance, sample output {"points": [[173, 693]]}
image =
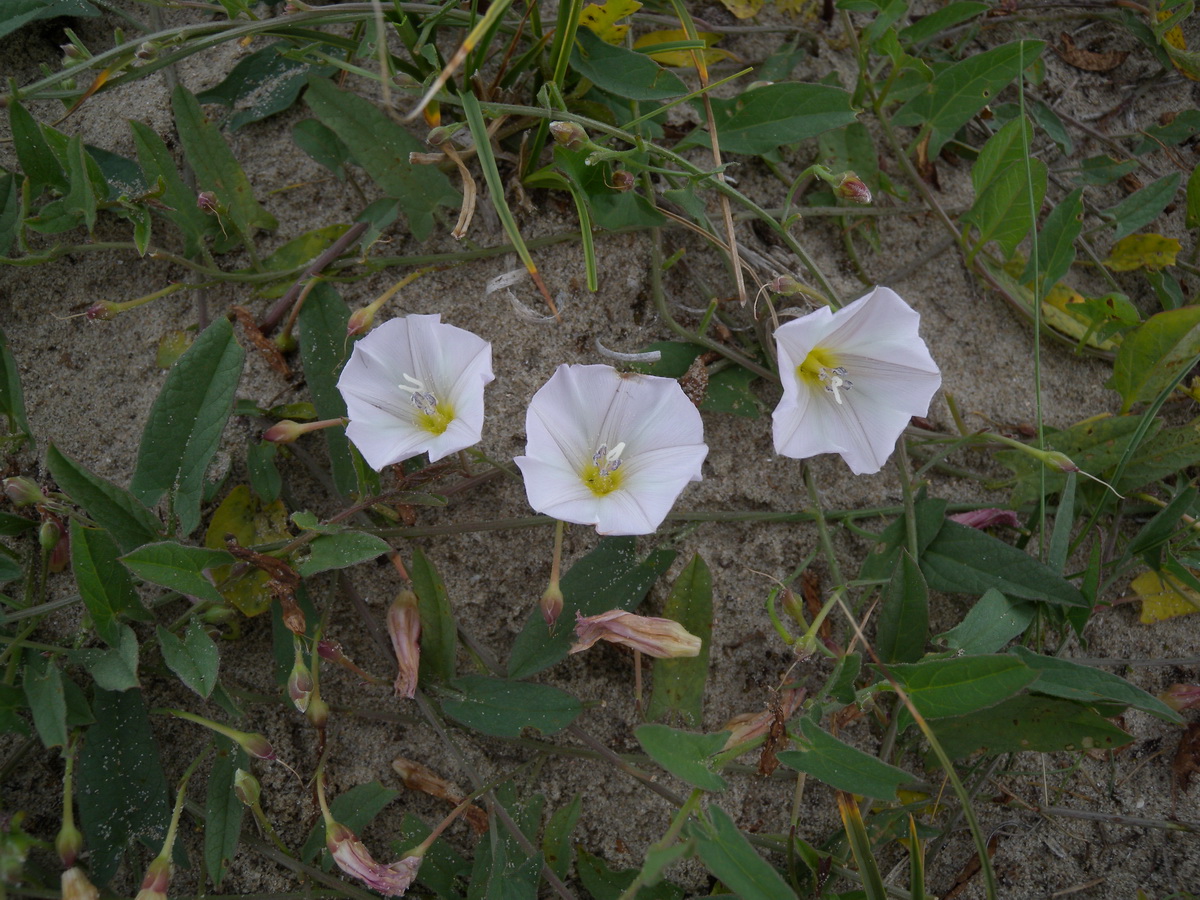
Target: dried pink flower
{"points": [[987, 518], [750, 726], [355, 860], [661, 638], [404, 628]]}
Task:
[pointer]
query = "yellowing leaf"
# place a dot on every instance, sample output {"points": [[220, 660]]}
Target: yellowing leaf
{"points": [[681, 58], [171, 346], [244, 516], [1164, 599], [1064, 309], [602, 20], [1143, 251], [805, 8], [1176, 46], [743, 9]]}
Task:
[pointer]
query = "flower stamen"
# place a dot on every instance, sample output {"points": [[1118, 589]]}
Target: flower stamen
{"points": [[432, 415], [601, 475]]}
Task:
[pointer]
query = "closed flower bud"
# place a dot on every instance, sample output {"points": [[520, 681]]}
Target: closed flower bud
{"points": [[569, 135], [330, 650], [660, 638], [70, 51], [206, 202], [247, 787], [551, 604], [1181, 696], [146, 51], [49, 535], [157, 880], [1058, 461], [22, 491], [318, 711], [987, 518], [622, 181], [76, 885], [284, 432], [404, 628], [851, 187], [300, 683], [438, 136], [785, 285], [102, 311], [68, 843]]}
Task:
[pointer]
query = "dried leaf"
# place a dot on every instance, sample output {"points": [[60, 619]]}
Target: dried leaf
{"points": [[1143, 251], [1187, 758], [268, 348], [417, 777], [1088, 60], [1164, 598], [695, 381]]}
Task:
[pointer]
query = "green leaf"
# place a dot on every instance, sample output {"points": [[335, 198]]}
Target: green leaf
{"points": [[120, 783], [1007, 147], [966, 560], [1089, 686], [1056, 242], [11, 225], [38, 162], [114, 669], [12, 525], [903, 627], [1028, 723], [611, 209], [44, 691], [16, 13], [763, 118], [382, 147], [186, 422], [842, 766], [12, 398], [104, 584], [992, 622], [12, 702], [177, 202], [128, 522], [679, 682], [262, 84], [216, 168], [1003, 212], [1192, 217], [178, 567], [260, 466], [324, 349], [323, 145], [223, 810], [1144, 206], [337, 551], [193, 658], [725, 852], [355, 809], [295, 254], [556, 839], [960, 90], [626, 73], [604, 883], [610, 577], [1152, 355], [504, 708], [962, 684], [935, 23], [684, 754], [439, 633]]}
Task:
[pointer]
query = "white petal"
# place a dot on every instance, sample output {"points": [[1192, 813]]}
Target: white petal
{"points": [[383, 443], [556, 489]]}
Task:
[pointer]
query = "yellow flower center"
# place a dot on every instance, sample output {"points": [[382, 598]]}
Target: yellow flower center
{"points": [[820, 369], [602, 475], [433, 415]]}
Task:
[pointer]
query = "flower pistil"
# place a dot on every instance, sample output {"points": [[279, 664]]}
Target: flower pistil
{"points": [[821, 368]]}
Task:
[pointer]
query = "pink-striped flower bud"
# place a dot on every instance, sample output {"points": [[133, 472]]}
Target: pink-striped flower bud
{"points": [[102, 311], [247, 787], [68, 843], [283, 432], [404, 628], [851, 187], [551, 604], [987, 518], [1181, 696], [660, 638], [22, 491], [569, 135], [157, 880], [207, 202], [300, 682]]}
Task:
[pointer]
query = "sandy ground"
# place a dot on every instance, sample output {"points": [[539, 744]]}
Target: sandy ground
{"points": [[89, 387]]}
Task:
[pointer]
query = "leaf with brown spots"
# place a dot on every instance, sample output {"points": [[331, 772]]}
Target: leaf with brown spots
{"points": [[1088, 60], [284, 581]]}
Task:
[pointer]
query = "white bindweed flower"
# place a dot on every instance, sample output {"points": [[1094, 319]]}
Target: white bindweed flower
{"points": [[852, 379], [415, 385], [610, 450]]}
